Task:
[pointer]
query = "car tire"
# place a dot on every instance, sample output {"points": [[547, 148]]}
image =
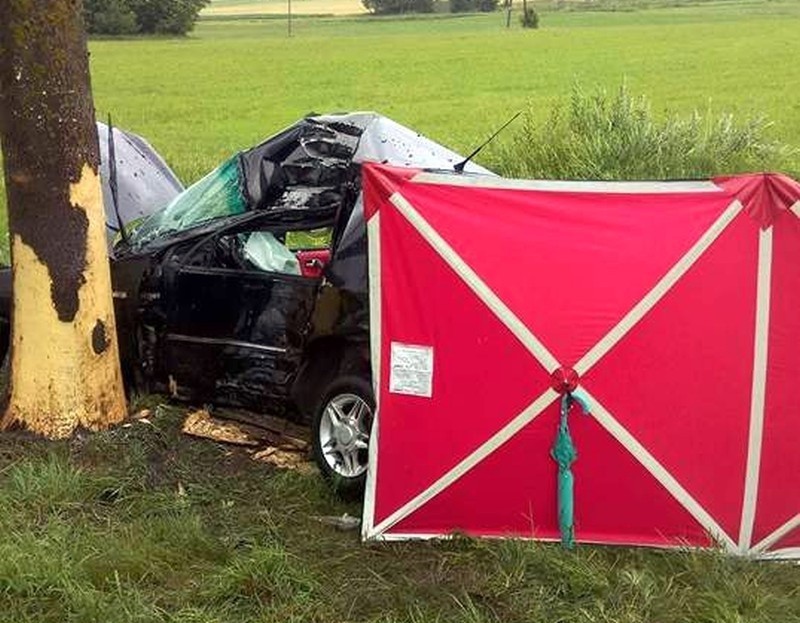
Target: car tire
{"points": [[340, 434]]}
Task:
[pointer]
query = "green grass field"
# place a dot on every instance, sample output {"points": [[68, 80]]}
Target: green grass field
{"points": [[145, 525], [234, 82]]}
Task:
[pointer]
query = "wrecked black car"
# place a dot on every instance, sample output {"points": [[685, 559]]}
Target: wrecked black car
{"points": [[250, 288]]}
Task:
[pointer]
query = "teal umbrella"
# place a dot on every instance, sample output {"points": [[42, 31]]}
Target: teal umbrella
{"points": [[565, 454]]}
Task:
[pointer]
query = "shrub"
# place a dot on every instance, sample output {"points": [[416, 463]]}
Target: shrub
{"points": [[616, 136], [115, 17], [529, 18], [487, 6], [110, 17], [462, 6], [174, 17], [396, 7], [472, 6]]}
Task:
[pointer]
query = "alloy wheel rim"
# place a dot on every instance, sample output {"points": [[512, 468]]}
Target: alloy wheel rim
{"points": [[344, 434]]}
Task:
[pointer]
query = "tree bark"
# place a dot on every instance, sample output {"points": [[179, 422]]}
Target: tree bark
{"points": [[65, 370]]}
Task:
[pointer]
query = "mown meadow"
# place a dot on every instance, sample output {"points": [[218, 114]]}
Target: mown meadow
{"points": [[144, 524], [234, 82]]}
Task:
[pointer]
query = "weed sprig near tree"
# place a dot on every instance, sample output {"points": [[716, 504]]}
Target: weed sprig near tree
{"points": [[127, 17], [529, 18], [616, 136]]}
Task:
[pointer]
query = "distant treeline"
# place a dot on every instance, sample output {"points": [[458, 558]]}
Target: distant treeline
{"points": [[396, 7], [130, 17]]}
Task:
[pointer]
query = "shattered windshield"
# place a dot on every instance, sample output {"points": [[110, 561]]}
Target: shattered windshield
{"points": [[218, 194]]}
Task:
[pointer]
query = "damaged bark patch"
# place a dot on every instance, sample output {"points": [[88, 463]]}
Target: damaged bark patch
{"points": [[49, 138], [55, 230], [58, 237], [66, 264], [99, 338]]}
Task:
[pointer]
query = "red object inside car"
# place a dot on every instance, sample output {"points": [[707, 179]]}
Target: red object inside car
{"points": [[313, 262]]}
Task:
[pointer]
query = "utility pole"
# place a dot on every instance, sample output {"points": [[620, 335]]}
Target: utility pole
{"points": [[65, 371]]}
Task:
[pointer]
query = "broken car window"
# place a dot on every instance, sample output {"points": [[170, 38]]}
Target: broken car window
{"points": [[309, 239], [217, 194], [258, 250]]}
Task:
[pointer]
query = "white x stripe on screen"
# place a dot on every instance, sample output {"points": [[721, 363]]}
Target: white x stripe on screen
{"points": [[550, 363]]}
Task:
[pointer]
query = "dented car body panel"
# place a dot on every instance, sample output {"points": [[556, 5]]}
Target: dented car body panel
{"points": [[201, 323], [250, 287]]}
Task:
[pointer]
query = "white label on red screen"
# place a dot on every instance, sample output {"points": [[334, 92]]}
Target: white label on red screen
{"points": [[411, 370]]}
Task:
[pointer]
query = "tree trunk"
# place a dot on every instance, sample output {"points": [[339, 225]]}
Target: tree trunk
{"points": [[65, 370]]}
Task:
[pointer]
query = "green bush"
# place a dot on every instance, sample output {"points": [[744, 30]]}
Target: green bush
{"points": [[473, 6], [529, 18], [119, 17], [606, 136], [110, 17], [487, 6], [462, 6], [174, 17], [396, 7]]}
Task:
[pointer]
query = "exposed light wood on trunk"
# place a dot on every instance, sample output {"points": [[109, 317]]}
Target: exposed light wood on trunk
{"points": [[65, 370]]}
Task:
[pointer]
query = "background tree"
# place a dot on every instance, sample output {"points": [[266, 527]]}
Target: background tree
{"points": [[124, 17], [395, 7], [65, 370], [473, 6]]}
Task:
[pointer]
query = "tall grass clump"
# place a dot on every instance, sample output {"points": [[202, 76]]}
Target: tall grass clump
{"points": [[606, 136]]}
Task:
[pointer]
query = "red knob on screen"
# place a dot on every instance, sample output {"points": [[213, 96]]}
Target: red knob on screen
{"points": [[564, 380]]}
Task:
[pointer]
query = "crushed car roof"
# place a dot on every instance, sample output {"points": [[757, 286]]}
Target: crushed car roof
{"points": [[311, 165]]}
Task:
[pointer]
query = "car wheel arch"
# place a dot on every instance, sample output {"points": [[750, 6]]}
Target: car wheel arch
{"points": [[325, 360]]}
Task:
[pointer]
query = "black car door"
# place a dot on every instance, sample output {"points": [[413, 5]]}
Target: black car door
{"points": [[238, 310]]}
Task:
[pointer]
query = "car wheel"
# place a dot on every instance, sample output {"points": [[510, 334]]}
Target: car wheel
{"points": [[341, 430]]}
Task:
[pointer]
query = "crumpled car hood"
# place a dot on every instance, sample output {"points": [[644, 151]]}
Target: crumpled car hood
{"points": [[313, 164]]}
